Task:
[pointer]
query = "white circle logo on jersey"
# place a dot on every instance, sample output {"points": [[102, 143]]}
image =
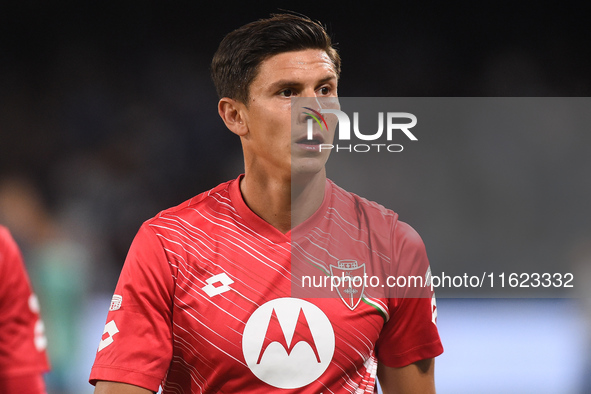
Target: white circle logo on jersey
{"points": [[288, 343]]}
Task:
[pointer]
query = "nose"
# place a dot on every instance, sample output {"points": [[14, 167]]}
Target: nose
{"points": [[304, 113], [304, 108], [313, 101], [316, 116]]}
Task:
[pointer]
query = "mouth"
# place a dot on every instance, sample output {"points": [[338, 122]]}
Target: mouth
{"points": [[317, 139]]}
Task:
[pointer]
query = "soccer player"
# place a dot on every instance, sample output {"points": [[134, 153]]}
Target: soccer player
{"points": [[23, 359], [204, 303]]}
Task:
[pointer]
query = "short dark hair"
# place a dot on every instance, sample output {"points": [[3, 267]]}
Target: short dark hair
{"points": [[236, 62]]}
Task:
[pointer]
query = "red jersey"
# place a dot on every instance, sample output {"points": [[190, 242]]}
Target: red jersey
{"points": [[23, 357], [205, 304]]}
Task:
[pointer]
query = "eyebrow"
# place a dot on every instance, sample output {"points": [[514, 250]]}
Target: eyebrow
{"points": [[287, 82]]}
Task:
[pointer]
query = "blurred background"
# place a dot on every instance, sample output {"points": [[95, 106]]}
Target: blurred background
{"points": [[108, 115]]}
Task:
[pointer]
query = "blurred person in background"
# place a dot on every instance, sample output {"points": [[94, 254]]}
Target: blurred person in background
{"points": [[58, 268], [23, 358]]}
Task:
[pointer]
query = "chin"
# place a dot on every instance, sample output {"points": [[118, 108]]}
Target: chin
{"points": [[303, 169]]}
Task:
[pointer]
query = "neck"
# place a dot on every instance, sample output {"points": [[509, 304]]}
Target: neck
{"points": [[306, 197], [283, 202]]}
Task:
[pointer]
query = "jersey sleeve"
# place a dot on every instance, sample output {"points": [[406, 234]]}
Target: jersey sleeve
{"points": [[22, 339], [136, 346], [410, 334]]}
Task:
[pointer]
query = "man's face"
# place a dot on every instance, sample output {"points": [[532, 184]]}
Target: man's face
{"points": [[270, 144]]}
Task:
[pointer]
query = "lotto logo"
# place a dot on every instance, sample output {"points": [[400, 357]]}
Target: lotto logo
{"points": [[217, 284], [288, 343], [110, 330]]}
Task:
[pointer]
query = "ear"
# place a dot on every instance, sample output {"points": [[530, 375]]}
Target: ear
{"points": [[232, 113]]}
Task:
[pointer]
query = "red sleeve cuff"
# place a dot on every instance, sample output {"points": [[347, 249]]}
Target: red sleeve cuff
{"points": [[23, 384], [422, 352], [121, 375]]}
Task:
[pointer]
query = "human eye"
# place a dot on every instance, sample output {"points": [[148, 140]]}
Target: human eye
{"points": [[325, 90], [286, 93]]}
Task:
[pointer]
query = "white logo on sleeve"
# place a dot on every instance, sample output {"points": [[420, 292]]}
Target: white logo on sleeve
{"points": [[34, 303], [288, 343], [116, 302], [217, 284], [110, 329], [40, 338], [39, 330], [434, 310]]}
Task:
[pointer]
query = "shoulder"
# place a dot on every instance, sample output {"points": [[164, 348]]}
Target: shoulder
{"points": [[6, 251], [372, 212], [8, 248], [405, 233], [218, 196], [14, 283], [215, 201], [5, 238], [375, 217]]}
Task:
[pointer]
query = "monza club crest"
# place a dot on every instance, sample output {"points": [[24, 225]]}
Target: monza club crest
{"points": [[347, 277]]}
